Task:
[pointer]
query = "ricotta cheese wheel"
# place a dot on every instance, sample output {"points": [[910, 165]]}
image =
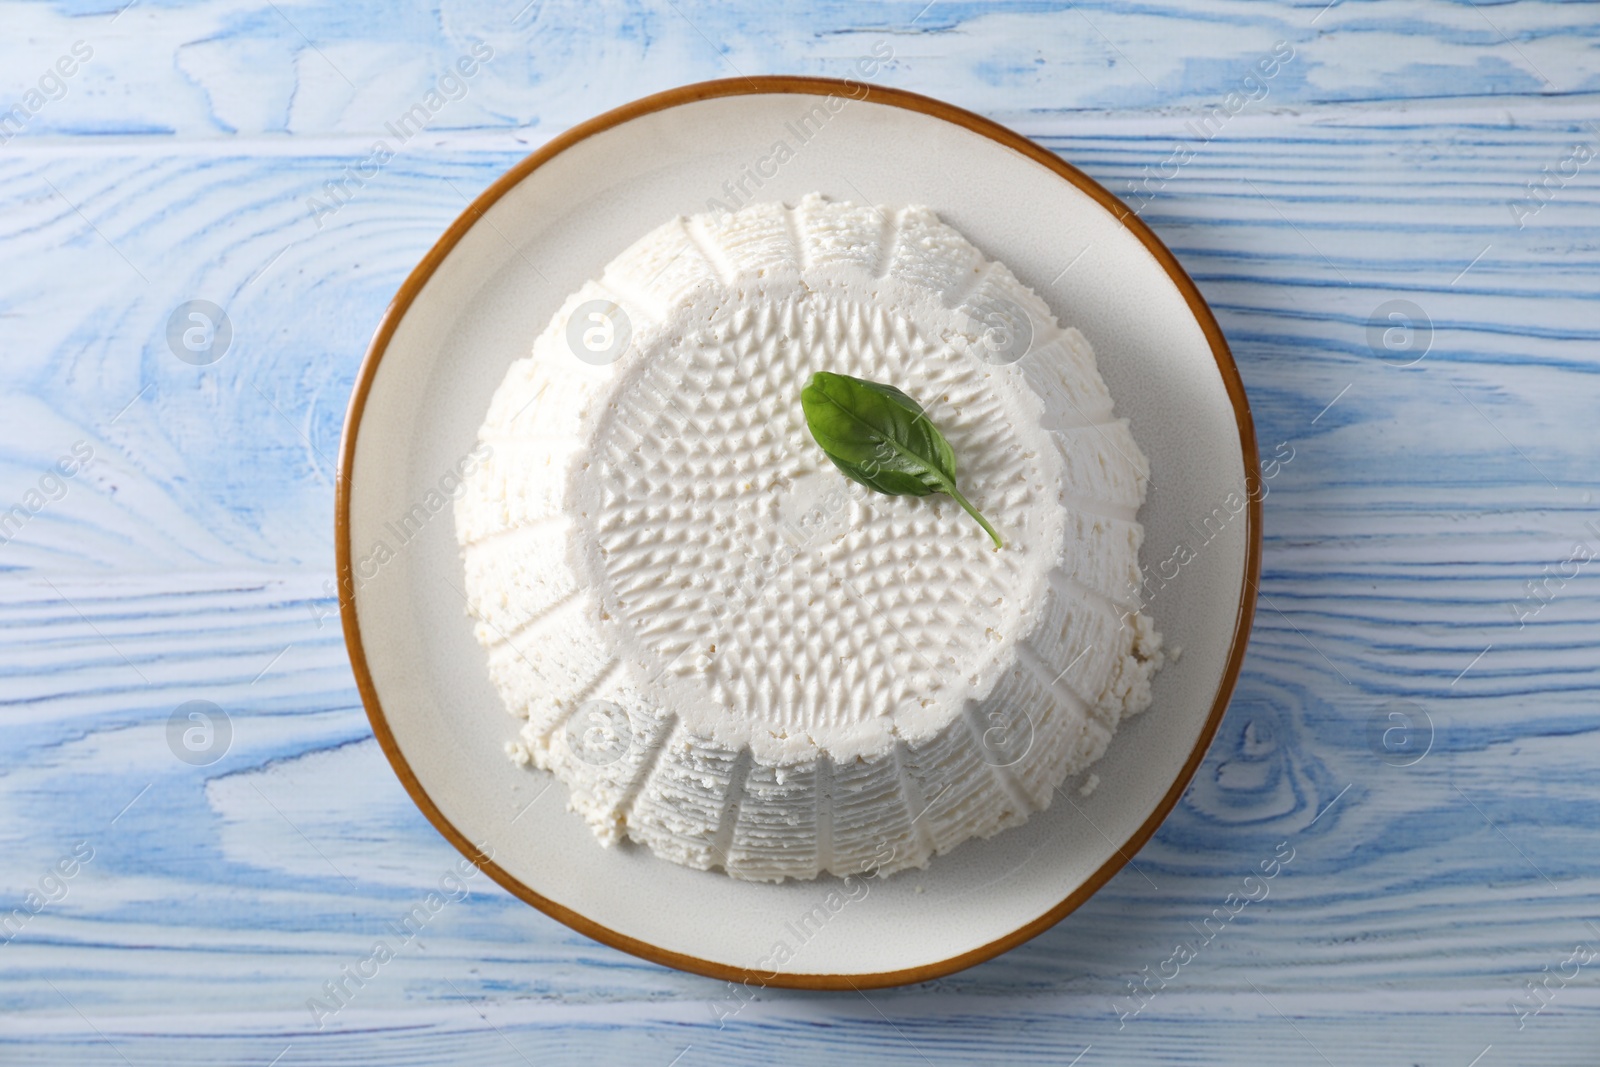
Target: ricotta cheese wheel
{"points": [[737, 657]]}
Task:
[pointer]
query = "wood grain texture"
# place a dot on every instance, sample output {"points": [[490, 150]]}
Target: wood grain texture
{"points": [[191, 558]]}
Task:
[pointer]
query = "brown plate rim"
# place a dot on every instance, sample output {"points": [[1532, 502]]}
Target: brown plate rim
{"points": [[791, 84]]}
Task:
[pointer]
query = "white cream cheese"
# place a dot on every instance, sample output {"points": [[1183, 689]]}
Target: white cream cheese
{"points": [[732, 654]]}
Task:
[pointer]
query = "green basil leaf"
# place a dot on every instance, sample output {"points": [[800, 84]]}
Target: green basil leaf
{"points": [[882, 438]]}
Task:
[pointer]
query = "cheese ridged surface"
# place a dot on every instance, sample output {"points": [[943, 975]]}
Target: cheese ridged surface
{"points": [[738, 658]]}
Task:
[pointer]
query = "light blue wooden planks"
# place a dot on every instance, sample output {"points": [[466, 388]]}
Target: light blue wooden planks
{"points": [[1388, 159]]}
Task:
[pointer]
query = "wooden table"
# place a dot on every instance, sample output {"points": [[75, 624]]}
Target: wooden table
{"points": [[1399, 230]]}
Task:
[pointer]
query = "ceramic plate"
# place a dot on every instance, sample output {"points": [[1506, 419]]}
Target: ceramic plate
{"points": [[489, 286]]}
